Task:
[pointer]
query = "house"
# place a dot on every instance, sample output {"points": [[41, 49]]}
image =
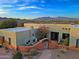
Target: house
{"points": [[59, 32], [19, 36], [23, 36]]}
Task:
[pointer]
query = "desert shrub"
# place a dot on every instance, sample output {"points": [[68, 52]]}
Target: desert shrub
{"points": [[66, 42], [17, 55], [61, 42]]}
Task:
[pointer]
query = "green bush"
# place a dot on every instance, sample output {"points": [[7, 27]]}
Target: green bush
{"points": [[11, 23], [66, 42], [61, 42], [18, 55]]}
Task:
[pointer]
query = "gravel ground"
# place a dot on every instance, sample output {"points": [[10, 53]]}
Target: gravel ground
{"points": [[45, 54], [56, 54]]}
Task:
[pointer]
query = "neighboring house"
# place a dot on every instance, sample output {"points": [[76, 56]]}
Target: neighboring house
{"points": [[19, 36], [59, 32]]}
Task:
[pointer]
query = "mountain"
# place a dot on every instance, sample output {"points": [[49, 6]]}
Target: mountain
{"points": [[44, 18], [40, 18], [55, 18], [2, 19]]}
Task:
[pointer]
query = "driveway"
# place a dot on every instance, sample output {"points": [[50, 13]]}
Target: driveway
{"points": [[56, 54]]}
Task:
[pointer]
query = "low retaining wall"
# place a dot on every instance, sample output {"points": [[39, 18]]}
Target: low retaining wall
{"points": [[52, 44], [40, 45], [25, 48]]}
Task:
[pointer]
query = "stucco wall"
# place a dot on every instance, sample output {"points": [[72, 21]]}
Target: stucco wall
{"points": [[7, 35], [23, 37], [61, 28], [74, 36], [36, 25]]}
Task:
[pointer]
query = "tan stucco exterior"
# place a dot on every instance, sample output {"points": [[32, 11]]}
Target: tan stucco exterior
{"points": [[74, 35], [36, 25], [7, 35], [61, 28], [18, 38]]}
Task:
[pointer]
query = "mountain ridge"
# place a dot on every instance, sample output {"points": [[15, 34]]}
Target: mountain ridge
{"points": [[55, 18], [41, 18]]}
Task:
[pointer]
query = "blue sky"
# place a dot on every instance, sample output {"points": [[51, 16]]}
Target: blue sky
{"points": [[39, 8]]}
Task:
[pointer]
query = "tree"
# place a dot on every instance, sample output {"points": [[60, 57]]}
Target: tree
{"points": [[8, 23], [41, 32]]}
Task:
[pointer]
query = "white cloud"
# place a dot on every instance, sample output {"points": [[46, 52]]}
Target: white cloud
{"points": [[2, 11], [7, 5], [29, 7], [32, 1]]}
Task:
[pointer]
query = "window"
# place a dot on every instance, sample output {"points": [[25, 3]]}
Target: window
{"points": [[66, 28], [34, 40], [77, 43], [27, 43], [32, 34], [9, 41], [69, 28], [63, 28], [3, 39], [65, 36]]}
